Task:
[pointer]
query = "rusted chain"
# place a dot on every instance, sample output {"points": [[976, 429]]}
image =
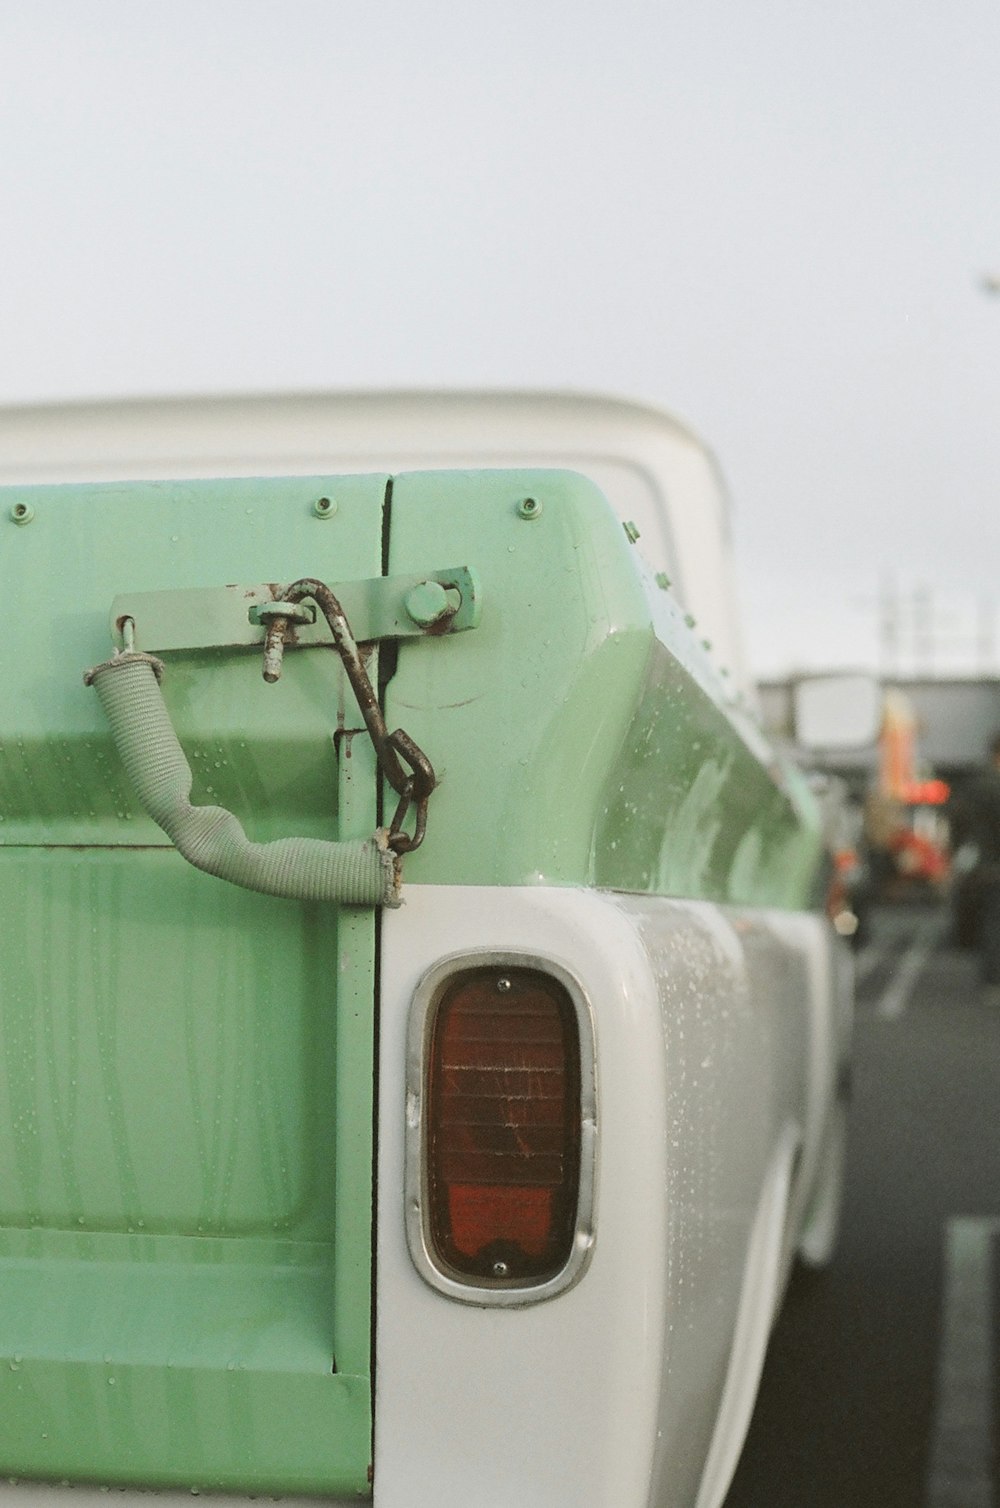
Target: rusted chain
{"points": [[413, 786]]}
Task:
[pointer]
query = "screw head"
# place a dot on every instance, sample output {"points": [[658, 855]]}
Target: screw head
{"points": [[427, 603], [529, 507], [503, 985], [22, 513], [325, 507], [501, 1270]]}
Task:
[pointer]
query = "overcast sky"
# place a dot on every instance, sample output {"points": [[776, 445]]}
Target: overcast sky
{"points": [[769, 217]]}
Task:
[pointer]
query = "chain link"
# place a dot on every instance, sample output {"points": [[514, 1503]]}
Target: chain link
{"points": [[412, 786]]}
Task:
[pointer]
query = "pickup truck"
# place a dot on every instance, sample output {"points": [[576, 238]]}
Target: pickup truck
{"points": [[423, 1043]]}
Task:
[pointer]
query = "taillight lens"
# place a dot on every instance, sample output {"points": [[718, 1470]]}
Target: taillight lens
{"points": [[503, 1123]]}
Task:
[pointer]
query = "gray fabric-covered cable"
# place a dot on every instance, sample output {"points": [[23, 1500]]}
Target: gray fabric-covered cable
{"points": [[364, 872]]}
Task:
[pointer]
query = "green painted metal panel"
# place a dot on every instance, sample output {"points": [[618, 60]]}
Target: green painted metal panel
{"points": [[264, 751], [581, 733], [185, 1067]]}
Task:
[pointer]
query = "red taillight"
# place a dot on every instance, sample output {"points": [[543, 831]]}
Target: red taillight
{"points": [[503, 1125]]}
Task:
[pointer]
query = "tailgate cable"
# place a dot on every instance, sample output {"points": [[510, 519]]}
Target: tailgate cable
{"points": [[362, 872]]}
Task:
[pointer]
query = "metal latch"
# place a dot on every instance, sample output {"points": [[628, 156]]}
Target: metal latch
{"points": [[310, 612], [231, 617]]}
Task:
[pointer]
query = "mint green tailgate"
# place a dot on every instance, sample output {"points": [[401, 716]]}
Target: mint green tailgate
{"points": [[186, 1076]]}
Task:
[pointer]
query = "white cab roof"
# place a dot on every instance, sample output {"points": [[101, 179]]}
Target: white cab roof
{"points": [[654, 471]]}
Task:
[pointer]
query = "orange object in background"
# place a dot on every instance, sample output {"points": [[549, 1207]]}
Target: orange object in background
{"points": [[902, 816], [926, 792], [897, 745]]}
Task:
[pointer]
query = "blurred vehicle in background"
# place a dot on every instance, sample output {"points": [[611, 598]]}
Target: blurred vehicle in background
{"points": [[848, 887], [831, 713]]}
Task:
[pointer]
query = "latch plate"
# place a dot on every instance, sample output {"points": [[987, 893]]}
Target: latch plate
{"points": [[227, 617]]}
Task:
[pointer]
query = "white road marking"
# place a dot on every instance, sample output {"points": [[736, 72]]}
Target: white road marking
{"points": [[961, 1462], [896, 995]]}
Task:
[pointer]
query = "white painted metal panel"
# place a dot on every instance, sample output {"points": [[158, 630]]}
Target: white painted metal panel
{"points": [[709, 1061]]}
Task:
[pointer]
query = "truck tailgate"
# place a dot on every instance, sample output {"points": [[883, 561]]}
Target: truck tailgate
{"points": [[186, 1075]]}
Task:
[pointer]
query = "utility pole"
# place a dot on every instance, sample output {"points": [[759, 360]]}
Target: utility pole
{"points": [[986, 636], [923, 630], [888, 626]]}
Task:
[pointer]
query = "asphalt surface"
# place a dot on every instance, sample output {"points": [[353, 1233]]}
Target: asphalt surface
{"points": [[878, 1389]]}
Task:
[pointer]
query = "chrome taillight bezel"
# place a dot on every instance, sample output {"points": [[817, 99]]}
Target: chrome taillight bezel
{"points": [[501, 1292]]}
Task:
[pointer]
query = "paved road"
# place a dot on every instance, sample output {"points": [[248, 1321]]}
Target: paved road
{"points": [[882, 1384]]}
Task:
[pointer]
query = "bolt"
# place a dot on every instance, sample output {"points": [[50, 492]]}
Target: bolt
{"points": [[274, 648], [529, 507], [22, 513], [325, 507], [427, 603]]}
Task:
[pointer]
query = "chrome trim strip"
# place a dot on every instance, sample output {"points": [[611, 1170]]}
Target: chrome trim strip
{"points": [[511, 1293]]}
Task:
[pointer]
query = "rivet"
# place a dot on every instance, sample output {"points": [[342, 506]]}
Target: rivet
{"points": [[22, 513], [663, 581], [631, 531], [529, 507], [325, 507]]}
